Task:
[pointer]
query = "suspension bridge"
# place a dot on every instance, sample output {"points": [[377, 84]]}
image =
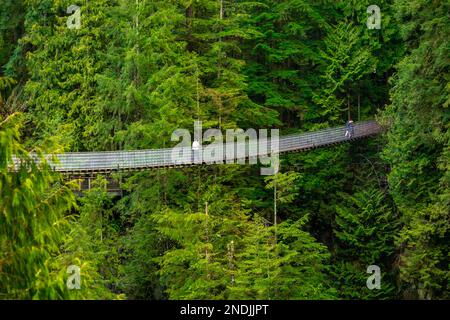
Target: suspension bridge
{"points": [[88, 164]]}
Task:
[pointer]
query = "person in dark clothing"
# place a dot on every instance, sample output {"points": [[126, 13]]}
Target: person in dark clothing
{"points": [[349, 129]]}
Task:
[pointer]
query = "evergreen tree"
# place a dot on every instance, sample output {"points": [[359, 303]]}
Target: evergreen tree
{"points": [[417, 149], [33, 204], [365, 230], [282, 262], [137, 70], [197, 265], [62, 64]]}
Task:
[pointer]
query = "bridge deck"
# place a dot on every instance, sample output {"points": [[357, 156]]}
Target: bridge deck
{"points": [[92, 162]]}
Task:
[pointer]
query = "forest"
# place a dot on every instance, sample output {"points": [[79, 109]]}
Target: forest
{"points": [[111, 75]]}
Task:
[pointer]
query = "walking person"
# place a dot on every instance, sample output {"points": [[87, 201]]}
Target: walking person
{"points": [[349, 129], [195, 151]]}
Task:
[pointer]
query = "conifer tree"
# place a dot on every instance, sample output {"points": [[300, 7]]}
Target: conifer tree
{"points": [[365, 230], [417, 148], [33, 204]]}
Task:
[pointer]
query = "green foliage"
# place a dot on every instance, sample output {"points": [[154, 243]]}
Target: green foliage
{"points": [[93, 240], [346, 63], [11, 20], [148, 88], [33, 224], [137, 70], [290, 265], [62, 67], [417, 149], [230, 257], [365, 231], [139, 276], [284, 183]]}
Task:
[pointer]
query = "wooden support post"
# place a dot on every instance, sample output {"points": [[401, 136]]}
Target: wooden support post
{"points": [[348, 107], [359, 107]]}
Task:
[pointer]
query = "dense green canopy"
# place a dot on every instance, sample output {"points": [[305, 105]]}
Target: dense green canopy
{"points": [[135, 71]]}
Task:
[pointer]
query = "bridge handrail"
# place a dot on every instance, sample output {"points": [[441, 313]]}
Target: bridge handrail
{"points": [[150, 158]]}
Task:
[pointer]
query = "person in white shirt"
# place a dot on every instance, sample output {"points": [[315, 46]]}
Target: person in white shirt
{"points": [[195, 151], [195, 145]]}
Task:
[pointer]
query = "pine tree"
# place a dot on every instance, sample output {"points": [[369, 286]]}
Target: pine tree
{"points": [[417, 149], [365, 230], [62, 64], [197, 266], [149, 86], [33, 204], [346, 63], [93, 239], [282, 262]]}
